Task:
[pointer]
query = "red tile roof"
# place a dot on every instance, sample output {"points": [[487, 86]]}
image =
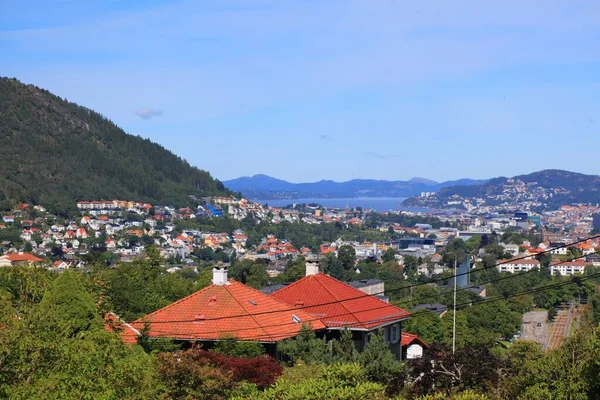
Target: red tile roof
{"points": [[338, 304], [577, 263], [408, 338], [15, 257], [128, 333], [233, 309], [518, 261]]}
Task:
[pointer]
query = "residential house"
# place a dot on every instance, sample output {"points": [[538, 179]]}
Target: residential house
{"points": [[512, 249], [341, 306], [60, 265], [20, 258], [412, 346], [227, 308], [558, 248]]}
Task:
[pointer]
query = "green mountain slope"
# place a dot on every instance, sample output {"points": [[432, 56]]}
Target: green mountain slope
{"points": [[54, 153]]}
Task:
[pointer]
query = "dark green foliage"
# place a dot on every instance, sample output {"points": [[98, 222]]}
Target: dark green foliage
{"points": [[389, 255], [439, 370], [331, 265], [58, 348], [253, 274], [379, 363], [410, 264], [305, 347], [344, 349], [132, 290], [155, 345], [494, 319], [67, 308], [54, 153], [347, 257], [427, 325], [230, 346]]}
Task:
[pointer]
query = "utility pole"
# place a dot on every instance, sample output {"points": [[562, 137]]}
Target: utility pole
{"points": [[454, 313]]}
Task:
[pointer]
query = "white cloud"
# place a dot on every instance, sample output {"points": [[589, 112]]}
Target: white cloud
{"points": [[148, 113]]}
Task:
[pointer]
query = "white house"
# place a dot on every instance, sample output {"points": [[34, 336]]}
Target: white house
{"points": [[558, 248], [512, 249]]}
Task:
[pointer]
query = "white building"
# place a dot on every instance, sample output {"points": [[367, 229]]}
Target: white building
{"points": [[513, 266], [559, 249], [512, 249], [569, 268]]}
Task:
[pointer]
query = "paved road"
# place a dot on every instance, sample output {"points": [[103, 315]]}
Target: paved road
{"points": [[535, 327]]}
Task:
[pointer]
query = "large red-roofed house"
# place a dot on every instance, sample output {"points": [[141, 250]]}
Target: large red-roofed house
{"points": [[7, 260], [224, 309], [339, 306]]}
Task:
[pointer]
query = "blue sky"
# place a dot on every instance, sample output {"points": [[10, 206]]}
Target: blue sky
{"points": [[309, 90]]}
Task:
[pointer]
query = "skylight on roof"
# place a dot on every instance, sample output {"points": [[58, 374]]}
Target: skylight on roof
{"points": [[295, 319], [252, 302]]}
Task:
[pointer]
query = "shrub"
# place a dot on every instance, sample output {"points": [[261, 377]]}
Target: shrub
{"points": [[263, 371]]}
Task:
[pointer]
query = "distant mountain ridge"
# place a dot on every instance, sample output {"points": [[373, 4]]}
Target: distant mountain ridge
{"points": [[54, 153], [265, 187]]}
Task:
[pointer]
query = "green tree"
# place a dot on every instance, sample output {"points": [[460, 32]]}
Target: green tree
{"points": [[230, 346], [427, 325], [379, 363], [347, 257], [410, 265], [344, 349], [389, 255], [464, 334], [493, 320], [332, 382], [332, 266], [67, 308], [305, 347], [257, 277]]}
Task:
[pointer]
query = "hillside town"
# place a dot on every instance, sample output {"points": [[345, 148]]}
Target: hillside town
{"points": [[509, 195], [126, 229]]}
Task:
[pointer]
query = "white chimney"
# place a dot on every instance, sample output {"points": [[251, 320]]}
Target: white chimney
{"points": [[312, 266], [220, 274]]}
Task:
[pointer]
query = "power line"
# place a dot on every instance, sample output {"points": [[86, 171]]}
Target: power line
{"points": [[497, 298], [502, 278], [386, 291], [469, 303]]}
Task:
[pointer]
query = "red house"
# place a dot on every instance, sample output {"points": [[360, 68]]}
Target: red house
{"points": [[339, 306], [227, 308]]}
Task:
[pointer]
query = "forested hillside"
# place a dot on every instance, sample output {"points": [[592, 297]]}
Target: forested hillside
{"points": [[54, 153]]}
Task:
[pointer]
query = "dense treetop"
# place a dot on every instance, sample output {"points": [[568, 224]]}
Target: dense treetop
{"points": [[55, 152]]}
